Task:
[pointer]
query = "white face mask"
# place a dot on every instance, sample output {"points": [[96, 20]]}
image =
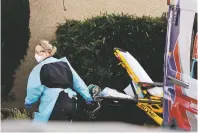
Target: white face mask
{"points": [[39, 58]]}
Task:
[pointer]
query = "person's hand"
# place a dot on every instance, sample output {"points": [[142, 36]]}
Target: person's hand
{"points": [[28, 106], [89, 102]]}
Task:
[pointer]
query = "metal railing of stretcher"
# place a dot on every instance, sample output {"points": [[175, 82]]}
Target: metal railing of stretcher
{"points": [[151, 105]]}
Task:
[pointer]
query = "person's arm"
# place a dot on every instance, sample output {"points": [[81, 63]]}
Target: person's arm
{"points": [[33, 95], [81, 87], [34, 88], [79, 84]]}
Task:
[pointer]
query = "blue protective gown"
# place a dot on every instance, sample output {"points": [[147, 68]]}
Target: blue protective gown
{"points": [[48, 96]]}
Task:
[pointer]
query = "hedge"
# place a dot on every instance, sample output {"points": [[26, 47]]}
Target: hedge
{"points": [[15, 38], [89, 44]]}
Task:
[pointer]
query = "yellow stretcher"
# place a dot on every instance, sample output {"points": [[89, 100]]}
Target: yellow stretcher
{"points": [[152, 105]]}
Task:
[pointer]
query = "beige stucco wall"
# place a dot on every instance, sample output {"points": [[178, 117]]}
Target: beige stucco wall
{"points": [[45, 14]]}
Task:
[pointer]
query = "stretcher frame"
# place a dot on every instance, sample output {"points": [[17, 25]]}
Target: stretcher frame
{"points": [[151, 105]]}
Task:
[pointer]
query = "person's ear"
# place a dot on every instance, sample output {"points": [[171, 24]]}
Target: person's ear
{"points": [[47, 54]]}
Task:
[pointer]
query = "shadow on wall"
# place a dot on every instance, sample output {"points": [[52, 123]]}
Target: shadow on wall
{"points": [[15, 37]]}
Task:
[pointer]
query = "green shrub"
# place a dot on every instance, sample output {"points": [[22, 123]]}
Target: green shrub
{"points": [[15, 38], [89, 44], [14, 114]]}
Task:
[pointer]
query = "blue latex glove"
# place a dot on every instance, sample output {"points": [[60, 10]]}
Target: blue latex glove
{"points": [[89, 102], [28, 106]]}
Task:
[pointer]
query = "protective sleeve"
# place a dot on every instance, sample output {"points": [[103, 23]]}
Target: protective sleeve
{"points": [[79, 84], [34, 87]]}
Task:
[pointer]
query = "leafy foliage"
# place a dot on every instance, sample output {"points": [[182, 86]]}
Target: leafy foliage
{"points": [[14, 114], [89, 44], [15, 38]]}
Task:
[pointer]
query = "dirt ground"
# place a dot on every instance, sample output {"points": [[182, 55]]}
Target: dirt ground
{"points": [[46, 14]]}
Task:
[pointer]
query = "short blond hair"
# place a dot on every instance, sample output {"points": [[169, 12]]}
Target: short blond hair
{"points": [[47, 47]]}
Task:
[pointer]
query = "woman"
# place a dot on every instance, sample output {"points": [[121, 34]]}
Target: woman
{"points": [[54, 82]]}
